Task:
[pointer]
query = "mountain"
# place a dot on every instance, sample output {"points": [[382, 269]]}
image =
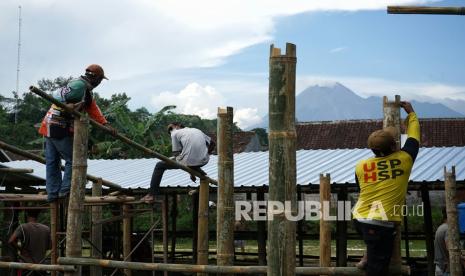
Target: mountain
{"points": [[337, 102]]}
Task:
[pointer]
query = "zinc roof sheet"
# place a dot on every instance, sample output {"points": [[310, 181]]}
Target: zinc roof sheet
{"points": [[251, 168]]}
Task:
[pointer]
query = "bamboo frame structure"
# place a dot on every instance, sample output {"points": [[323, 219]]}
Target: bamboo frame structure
{"points": [[87, 199], [282, 158], [77, 192], [391, 118], [96, 230], [185, 268], [426, 10], [325, 227], [37, 267], [122, 138], [202, 234], [453, 235], [225, 202], [15, 170]]}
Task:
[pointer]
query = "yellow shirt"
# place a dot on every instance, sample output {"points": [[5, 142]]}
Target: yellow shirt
{"points": [[383, 180]]}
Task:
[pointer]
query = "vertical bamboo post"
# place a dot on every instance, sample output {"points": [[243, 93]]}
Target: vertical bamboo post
{"points": [[300, 230], [428, 228], [282, 159], [391, 112], [126, 236], [202, 235], [341, 229], [195, 225], [174, 214], [164, 210], [53, 234], [77, 193], [225, 204], [453, 240], [325, 227], [261, 233], [96, 230]]}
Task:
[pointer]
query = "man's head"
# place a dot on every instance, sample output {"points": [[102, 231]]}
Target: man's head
{"points": [[95, 74], [382, 142], [174, 125], [32, 215]]}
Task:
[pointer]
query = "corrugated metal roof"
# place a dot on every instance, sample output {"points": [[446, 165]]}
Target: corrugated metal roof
{"points": [[251, 168]]}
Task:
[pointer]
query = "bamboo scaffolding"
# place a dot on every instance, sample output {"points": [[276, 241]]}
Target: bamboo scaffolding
{"points": [[282, 159], [453, 235], [37, 267], [43, 198], [391, 118], [122, 137], [40, 159], [15, 170], [97, 229], [186, 268], [202, 233], [77, 192], [325, 227], [126, 237], [53, 234], [225, 191], [426, 10]]}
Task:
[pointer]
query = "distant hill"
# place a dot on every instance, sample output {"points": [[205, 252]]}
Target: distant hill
{"points": [[337, 102]]}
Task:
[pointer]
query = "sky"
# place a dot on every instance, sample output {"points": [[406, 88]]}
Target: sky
{"points": [[200, 55]]}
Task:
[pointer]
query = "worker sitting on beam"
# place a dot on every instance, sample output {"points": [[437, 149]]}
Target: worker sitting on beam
{"points": [[383, 183], [190, 146]]}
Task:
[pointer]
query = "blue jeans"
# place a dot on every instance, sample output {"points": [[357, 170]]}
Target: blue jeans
{"points": [[55, 150]]}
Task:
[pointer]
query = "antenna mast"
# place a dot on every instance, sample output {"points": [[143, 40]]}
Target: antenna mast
{"points": [[18, 66]]}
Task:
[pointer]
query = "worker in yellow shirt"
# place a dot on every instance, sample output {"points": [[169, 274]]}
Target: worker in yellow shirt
{"points": [[383, 183]]}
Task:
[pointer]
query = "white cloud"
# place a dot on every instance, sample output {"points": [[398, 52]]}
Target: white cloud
{"points": [[338, 49], [134, 37], [204, 101], [246, 117]]}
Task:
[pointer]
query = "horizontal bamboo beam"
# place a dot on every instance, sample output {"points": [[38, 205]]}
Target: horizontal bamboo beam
{"points": [[88, 199], [40, 159], [36, 267], [15, 170], [121, 137], [426, 10], [186, 268]]}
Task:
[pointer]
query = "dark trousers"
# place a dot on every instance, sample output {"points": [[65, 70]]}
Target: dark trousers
{"points": [[160, 168], [379, 241]]}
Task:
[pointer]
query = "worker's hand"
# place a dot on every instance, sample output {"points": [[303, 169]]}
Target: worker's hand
{"points": [[111, 129], [407, 106]]}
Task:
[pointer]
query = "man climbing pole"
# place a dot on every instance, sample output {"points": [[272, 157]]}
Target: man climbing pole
{"points": [[383, 183], [190, 146], [57, 127]]}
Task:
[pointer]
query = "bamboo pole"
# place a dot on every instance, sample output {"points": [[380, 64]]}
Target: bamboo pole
{"points": [[282, 159], [164, 210], [195, 226], [40, 159], [325, 227], [391, 111], [174, 215], [126, 237], [261, 233], [186, 268], [426, 10], [341, 230], [453, 235], [202, 238], [121, 137], [77, 193], [15, 170], [225, 191], [428, 228], [37, 267], [87, 199], [53, 234], [96, 231]]}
